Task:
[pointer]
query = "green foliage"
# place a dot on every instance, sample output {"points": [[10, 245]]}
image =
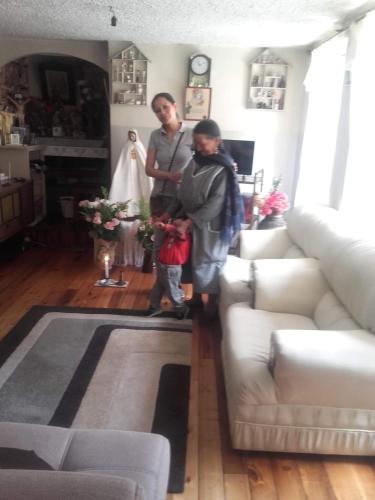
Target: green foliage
{"points": [[145, 231]]}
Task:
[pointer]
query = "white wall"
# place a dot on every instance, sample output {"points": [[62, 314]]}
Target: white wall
{"points": [[276, 133], [14, 48]]}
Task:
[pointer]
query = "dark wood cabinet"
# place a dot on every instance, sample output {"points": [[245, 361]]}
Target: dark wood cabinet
{"points": [[16, 208]]}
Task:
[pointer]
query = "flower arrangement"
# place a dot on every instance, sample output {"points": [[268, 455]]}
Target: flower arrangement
{"points": [[104, 216], [275, 202], [145, 231]]}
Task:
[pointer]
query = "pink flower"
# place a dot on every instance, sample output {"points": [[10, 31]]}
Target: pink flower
{"points": [[115, 222], [274, 203], [84, 203], [97, 218], [109, 225], [121, 214], [88, 219]]}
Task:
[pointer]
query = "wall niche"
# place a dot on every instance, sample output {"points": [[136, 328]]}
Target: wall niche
{"points": [[61, 103]]}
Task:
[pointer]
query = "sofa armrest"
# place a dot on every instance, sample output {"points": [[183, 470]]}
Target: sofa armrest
{"points": [[55, 485], [270, 244], [324, 367]]}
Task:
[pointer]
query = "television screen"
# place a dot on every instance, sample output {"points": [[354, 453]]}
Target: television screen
{"points": [[242, 153]]}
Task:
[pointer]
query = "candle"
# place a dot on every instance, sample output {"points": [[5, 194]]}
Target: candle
{"points": [[106, 267]]}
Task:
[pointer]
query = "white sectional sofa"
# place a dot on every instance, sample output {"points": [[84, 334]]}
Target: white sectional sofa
{"points": [[299, 347]]}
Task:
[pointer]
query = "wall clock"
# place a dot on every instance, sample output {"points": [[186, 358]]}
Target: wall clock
{"points": [[199, 69]]}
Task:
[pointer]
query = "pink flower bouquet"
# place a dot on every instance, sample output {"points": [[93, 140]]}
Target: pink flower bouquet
{"points": [[104, 217], [275, 203]]}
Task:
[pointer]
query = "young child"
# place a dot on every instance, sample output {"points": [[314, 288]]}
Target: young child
{"points": [[173, 252]]}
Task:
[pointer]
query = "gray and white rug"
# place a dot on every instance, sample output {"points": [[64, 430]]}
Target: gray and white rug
{"points": [[99, 368]]}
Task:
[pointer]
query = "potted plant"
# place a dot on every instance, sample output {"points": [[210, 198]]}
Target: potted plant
{"points": [[272, 206]]}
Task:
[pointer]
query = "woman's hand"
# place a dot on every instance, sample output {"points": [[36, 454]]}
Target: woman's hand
{"points": [[163, 218], [183, 225], [175, 176], [159, 225]]}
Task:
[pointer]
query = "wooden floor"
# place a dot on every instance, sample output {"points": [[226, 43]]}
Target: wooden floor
{"points": [[214, 471]]}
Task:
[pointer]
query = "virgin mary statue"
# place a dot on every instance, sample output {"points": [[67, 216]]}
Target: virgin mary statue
{"points": [[130, 182]]}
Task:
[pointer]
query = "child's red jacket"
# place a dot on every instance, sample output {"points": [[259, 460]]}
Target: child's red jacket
{"points": [[175, 248]]}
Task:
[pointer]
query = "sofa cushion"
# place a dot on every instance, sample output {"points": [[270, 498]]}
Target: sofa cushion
{"points": [[313, 367], [294, 252], [270, 244], [292, 286], [235, 279], [350, 271], [53, 485], [331, 315], [315, 228]]}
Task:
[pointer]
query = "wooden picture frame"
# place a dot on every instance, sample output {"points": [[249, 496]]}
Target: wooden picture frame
{"points": [[197, 105], [57, 83]]}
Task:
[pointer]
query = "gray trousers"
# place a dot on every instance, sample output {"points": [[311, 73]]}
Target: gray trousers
{"points": [[167, 282]]}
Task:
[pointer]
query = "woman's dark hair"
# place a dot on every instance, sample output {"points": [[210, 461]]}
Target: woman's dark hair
{"points": [[162, 95], [207, 127]]}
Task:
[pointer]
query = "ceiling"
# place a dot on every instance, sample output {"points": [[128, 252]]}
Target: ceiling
{"points": [[247, 23]]}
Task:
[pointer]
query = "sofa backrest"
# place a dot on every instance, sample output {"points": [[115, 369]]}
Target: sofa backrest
{"points": [[316, 228], [351, 273], [347, 262], [268, 244]]}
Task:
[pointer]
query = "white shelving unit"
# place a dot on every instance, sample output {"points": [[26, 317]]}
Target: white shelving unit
{"points": [[129, 77], [268, 78]]}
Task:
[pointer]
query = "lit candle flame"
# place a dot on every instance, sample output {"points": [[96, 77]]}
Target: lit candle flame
{"points": [[106, 258]]}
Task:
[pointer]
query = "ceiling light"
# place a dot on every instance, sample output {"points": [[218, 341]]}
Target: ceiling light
{"points": [[113, 17]]}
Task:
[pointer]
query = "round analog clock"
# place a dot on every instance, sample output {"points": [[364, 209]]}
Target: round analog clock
{"points": [[199, 71], [200, 64]]}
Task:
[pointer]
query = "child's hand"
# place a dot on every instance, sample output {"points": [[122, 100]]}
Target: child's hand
{"points": [[159, 225], [182, 225]]}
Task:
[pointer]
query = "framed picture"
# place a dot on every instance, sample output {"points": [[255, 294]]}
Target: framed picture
{"points": [[57, 84], [15, 139], [197, 103]]}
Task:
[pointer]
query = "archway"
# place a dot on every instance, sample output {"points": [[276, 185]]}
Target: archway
{"points": [[60, 102]]}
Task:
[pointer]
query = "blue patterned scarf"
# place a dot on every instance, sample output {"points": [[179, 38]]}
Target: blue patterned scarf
{"points": [[232, 213]]}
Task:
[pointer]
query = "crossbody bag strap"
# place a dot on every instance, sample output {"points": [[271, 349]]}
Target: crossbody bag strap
{"points": [[171, 162]]}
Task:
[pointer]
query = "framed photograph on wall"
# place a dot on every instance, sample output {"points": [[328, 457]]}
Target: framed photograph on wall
{"points": [[197, 103], [57, 83]]}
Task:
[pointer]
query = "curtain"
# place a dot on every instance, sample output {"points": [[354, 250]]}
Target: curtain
{"points": [[324, 85], [357, 201]]}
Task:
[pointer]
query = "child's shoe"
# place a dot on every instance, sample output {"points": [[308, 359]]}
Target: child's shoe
{"points": [[182, 312], [154, 311]]}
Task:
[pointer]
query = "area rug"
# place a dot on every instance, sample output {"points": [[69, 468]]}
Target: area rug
{"points": [[100, 368]]}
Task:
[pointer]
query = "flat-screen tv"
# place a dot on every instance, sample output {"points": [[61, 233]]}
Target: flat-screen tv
{"points": [[242, 153]]}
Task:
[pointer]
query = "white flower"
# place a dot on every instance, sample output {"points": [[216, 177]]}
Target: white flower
{"points": [[94, 204]]}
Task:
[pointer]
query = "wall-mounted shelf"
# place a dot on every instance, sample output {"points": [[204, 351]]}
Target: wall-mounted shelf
{"points": [[129, 77], [268, 75]]}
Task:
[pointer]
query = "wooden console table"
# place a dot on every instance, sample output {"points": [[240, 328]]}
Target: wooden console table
{"points": [[16, 208]]}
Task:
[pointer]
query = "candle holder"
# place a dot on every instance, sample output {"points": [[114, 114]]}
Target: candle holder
{"points": [[108, 282]]}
